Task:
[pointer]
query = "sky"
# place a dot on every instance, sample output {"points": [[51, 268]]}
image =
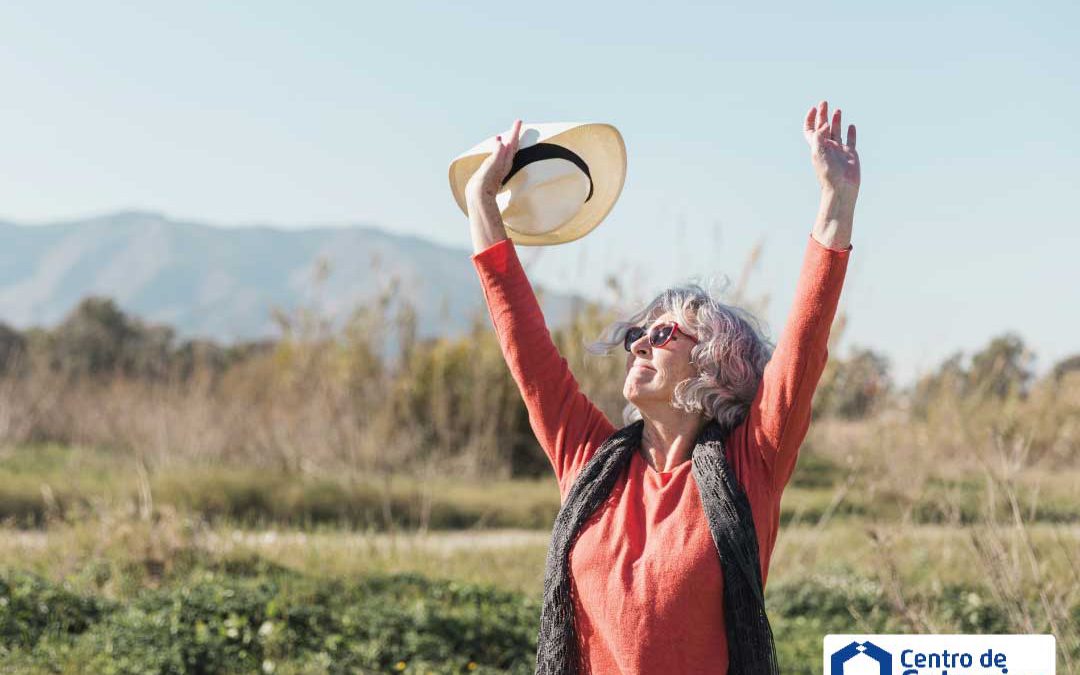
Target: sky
{"points": [[337, 113]]}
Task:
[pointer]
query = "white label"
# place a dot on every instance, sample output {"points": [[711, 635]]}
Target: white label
{"points": [[940, 655]]}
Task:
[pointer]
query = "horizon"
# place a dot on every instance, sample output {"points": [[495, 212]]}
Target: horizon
{"points": [[1042, 367], [279, 114]]}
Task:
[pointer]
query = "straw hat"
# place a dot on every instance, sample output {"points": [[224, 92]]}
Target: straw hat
{"points": [[564, 180]]}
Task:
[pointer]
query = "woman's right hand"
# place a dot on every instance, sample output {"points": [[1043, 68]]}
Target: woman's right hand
{"points": [[487, 181], [835, 162], [485, 220]]}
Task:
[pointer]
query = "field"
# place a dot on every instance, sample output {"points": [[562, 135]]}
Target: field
{"points": [[307, 508], [212, 570]]}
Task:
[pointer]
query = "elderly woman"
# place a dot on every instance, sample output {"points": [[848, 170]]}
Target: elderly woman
{"points": [[661, 549]]}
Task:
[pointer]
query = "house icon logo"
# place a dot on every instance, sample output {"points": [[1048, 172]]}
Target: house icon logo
{"points": [[842, 656]]}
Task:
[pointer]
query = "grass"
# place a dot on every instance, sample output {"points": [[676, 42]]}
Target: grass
{"points": [[50, 482], [253, 617], [857, 553], [313, 507], [39, 483], [925, 556], [964, 523], [169, 596]]}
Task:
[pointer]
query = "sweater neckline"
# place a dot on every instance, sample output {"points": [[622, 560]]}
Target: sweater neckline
{"points": [[664, 476]]}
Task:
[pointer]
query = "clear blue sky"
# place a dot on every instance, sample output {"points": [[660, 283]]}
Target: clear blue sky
{"points": [[327, 113]]}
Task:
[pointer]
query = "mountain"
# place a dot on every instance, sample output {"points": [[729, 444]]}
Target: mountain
{"points": [[223, 283]]}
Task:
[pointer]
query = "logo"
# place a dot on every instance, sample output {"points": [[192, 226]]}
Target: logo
{"points": [[845, 654], [938, 654]]}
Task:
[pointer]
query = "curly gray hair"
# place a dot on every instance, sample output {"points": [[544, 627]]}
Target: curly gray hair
{"points": [[730, 355]]}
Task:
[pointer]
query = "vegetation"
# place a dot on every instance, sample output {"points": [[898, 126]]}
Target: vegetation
{"points": [[248, 615], [322, 504]]}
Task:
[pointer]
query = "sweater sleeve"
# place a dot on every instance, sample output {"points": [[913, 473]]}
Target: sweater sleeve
{"points": [[780, 413], [567, 424]]}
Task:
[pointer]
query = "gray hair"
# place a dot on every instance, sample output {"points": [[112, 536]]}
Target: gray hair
{"points": [[730, 355]]}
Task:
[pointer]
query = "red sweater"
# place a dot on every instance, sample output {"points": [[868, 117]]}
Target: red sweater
{"points": [[646, 580]]}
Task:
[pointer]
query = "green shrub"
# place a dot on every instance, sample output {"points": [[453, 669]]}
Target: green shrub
{"points": [[815, 471], [837, 601], [969, 610], [245, 615], [209, 626], [31, 607], [259, 616]]}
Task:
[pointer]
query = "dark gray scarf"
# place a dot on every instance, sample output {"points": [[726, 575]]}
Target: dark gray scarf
{"points": [[750, 641]]}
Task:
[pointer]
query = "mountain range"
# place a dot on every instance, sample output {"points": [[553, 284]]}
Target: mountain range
{"points": [[224, 283]]}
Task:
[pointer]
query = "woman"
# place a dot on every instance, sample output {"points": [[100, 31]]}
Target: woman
{"points": [[661, 549]]}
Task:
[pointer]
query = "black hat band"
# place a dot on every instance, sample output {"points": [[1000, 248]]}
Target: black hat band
{"points": [[541, 151]]}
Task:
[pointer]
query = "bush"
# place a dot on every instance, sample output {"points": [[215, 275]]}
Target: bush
{"points": [[1064, 367], [97, 338], [802, 613], [814, 470], [12, 350], [854, 387], [30, 607], [969, 610], [1001, 370], [246, 615], [219, 623]]}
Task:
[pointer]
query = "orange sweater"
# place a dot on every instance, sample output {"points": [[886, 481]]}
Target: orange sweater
{"points": [[646, 580]]}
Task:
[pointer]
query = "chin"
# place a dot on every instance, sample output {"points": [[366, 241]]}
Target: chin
{"points": [[639, 397]]}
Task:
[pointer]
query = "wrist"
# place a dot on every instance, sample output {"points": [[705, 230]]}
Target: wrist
{"points": [[477, 195], [839, 198], [485, 220], [484, 209], [835, 218]]}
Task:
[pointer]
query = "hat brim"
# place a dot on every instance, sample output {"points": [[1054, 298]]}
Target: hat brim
{"points": [[602, 148]]}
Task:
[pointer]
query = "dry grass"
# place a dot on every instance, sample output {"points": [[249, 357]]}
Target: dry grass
{"points": [[301, 453]]}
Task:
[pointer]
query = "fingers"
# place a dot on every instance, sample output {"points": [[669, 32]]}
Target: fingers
{"points": [[494, 157], [810, 122], [505, 147], [510, 145], [515, 137], [817, 122]]}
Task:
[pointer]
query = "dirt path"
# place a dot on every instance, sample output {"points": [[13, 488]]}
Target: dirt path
{"points": [[443, 542]]}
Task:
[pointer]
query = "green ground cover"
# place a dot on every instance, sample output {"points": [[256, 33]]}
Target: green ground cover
{"points": [[249, 615], [106, 567], [38, 483]]}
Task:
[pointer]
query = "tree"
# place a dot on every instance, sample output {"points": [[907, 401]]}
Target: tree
{"points": [[12, 350], [853, 387], [98, 338], [949, 380], [1067, 365], [1002, 369]]}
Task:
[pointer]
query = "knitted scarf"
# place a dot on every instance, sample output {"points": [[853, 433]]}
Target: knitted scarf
{"points": [[749, 636]]}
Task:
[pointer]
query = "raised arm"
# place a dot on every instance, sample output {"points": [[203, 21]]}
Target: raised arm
{"points": [[565, 422], [780, 414], [836, 164]]}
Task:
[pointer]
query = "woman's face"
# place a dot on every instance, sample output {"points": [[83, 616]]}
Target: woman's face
{"points": [[653, 372]]}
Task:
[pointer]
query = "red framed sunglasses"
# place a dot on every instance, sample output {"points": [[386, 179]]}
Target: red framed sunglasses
{"points": [[659, 335]]}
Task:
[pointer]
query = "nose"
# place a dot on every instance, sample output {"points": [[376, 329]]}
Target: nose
{"points": [[641, 345]]}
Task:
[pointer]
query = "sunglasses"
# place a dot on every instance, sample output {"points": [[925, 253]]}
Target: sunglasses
{"points": [[659, 335]]}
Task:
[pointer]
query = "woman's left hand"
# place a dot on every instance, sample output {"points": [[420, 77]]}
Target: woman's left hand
{"points": [[836, 163]]}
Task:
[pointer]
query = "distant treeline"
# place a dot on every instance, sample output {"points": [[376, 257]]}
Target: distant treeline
{"points": [[98, 339], [318, 397]]}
